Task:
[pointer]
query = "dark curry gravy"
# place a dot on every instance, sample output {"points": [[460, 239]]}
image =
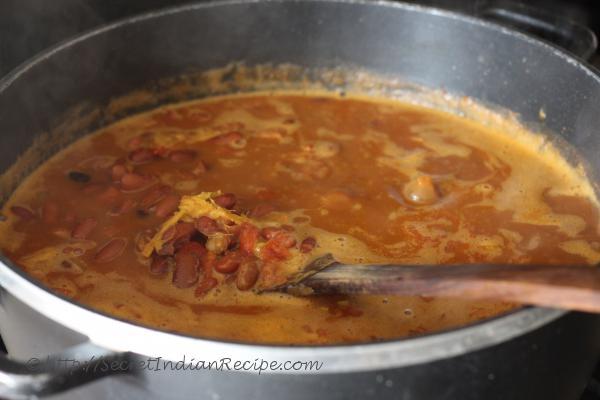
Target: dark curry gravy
{"points": [[366, 179]]}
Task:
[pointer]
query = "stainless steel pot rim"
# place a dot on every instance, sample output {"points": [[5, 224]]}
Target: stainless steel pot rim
{"points": [[119, 335]]}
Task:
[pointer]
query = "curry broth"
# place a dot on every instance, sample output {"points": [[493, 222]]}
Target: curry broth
{"points": [[369, 180]]}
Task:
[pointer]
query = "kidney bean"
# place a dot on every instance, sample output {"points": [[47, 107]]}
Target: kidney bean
{"points": [[125, 206], [261, 210], [79, 177], [117, 172], [225, 200], [206, 225], [141, 156], [132, 181], [181, 156], [110, 195], [167, 249], [111, 250], [269, 232], [308, 244], [50, 212], [281, 235], [186, 270], [184, 229], [154, 196], [160, 265], [205, 286], [167, 206], [84, 228], [276, 249], [248, 238], [228, 264], [168, 234], [194, 248], [247, 275], [24, 213]]}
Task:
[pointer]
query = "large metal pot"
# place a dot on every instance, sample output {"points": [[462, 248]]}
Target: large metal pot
{"points": [[533, 353]]}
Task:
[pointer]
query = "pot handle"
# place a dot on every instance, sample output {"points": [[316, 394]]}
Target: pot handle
{"points": [[571, 36], [55, 373]]}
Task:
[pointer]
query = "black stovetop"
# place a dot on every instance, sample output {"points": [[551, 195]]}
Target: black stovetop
{"points": [[29, 26]]}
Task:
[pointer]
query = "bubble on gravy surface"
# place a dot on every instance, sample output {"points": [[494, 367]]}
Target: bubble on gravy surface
{"points": [[501, 199]]}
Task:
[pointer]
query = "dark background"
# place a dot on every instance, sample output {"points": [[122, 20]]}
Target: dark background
{"points": [[29, 26]]}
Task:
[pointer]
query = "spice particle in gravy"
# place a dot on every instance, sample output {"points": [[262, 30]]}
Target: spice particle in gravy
{"points": [[175, 217]]}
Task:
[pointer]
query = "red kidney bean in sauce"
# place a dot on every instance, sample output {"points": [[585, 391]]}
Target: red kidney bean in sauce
{"points": [[248, 237], [277, 248], [186, 270], [124, 207], [247, 275], [167, 206], [110, 195], [307, 245], [84, 228], [227, 264], [261, 210], [194, 248], [182, 156], [131, 181], [160, 265], [167, 249], [111, 250], [205, 225], [269, 232], [205, 286], [24, 213], [184, 229], [154, 196], [117, 172], [226, 200], [141, 156]]}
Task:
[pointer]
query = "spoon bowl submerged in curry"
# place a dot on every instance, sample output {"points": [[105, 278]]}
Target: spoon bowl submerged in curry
{"points": [[556, 286]]}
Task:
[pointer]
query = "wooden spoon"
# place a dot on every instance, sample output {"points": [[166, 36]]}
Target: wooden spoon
{"points": [[566, 287]]}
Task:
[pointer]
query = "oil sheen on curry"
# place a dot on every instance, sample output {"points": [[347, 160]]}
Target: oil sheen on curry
{"points": [[175, 218]]}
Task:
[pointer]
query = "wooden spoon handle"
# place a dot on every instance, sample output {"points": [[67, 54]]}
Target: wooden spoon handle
{"points": [[567, 287]]}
